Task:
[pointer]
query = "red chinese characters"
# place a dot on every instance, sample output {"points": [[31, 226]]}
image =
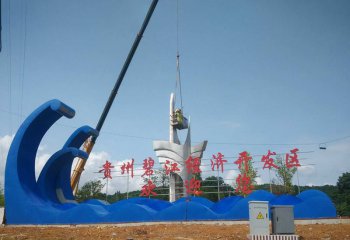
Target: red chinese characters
{"points": [[243, 184], [106, 169], [193, 186], [292, 160], [218, 162], [193, 165], [170, 167], [128, 167], [243, 159], [243, 181], [148, 188], [148, 167], [268, 161]]}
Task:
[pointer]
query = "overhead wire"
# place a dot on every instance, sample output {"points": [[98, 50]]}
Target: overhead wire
{"points": [[10, 66], [24, 58], [262, 144], [336, 140], [214, 143]]}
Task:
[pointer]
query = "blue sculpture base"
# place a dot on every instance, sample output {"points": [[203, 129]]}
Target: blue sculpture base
{"points": [[50, 200]]}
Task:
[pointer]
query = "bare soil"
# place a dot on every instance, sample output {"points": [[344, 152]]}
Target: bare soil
{"points": [[164, 231]]}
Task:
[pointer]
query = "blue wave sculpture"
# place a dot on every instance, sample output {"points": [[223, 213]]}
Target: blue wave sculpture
{"points": [[50, 200]]}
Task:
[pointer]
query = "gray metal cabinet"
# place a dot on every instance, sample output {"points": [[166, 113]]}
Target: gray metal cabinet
{"points": [[282, 218]]}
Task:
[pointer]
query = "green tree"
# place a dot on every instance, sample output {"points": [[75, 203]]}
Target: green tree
{"points": [[343, 183], [284, 176], [2, 198], [250, 172], [91, 189], [159, 178], [209, 186], [343, 197]]}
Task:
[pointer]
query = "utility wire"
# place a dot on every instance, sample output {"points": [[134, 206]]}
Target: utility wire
{"points": [[263, 144], [335, 140], [212, 143], [10, 65], [24, 59]]}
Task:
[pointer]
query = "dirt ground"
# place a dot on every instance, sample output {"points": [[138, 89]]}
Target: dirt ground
{"points": [[165, 231]]}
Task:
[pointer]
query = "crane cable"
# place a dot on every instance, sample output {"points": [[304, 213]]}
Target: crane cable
{"points": [[178, 77]]}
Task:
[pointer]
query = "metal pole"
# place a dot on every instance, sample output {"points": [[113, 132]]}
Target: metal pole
{"points": [[270, 180], [125, 68], [106, 189], [218, 184], [298, 181], [127, 187], [284, 181], [149, 196]]}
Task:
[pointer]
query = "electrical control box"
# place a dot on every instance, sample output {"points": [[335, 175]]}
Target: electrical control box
{"points": [[282, 218], [259, 218]]}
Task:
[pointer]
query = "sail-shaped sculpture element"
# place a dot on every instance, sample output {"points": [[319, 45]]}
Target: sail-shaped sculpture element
{"points": [[173, 151], [50, 199]]}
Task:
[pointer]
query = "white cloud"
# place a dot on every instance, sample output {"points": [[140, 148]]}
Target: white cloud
{"points": [[230, 176], [93, 165], [259, 180], [329, 164], [306, 169], [118, 181], [40, 161], [5, 143]]}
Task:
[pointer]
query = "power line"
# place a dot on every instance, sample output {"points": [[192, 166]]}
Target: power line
{"points": [[279, 144], [24, 59], [258, 155], [10, 65], [335, 140], [263, 144], [212, 143]]}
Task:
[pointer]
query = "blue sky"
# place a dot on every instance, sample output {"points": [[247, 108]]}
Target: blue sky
{"points": [[253, 72]]}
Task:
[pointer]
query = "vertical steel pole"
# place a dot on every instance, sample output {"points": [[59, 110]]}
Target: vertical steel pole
{"points": [[218, 184], [106, 189], [270, 180], [127, 187], [298, 181]]}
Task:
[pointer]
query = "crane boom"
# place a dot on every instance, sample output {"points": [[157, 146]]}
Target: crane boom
{"points": [[89, 144]]}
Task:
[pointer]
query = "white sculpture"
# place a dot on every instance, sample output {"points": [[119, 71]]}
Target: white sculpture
{"points": [[173, 151]]}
